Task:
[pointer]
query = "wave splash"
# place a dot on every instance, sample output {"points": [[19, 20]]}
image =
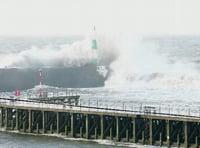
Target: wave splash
{"points": [[140, 63], [128, 60], [75, 54]]}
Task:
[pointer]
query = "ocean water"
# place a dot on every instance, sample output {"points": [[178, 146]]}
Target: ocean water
{"points": [[16, 140], [162, 72]]}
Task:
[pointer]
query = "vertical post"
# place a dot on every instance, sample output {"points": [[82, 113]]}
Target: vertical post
{"points": [[66, 131], [127, 135], [168, 133], [186, 134], [81, 132], [117, 129], [150, 131], [17, 119], [32, 118], [51, 128], [20, 124], [134, 130], [72, 124], [26, 119], [178, 140], [24, 126], [30, 121], [95, 133], [102, 127], [161, 140], [12, 124], [58, 123], [111, 135], [6, 118], [1, 117], [87, 126], [37, 128], [143, 137], [43, 121], [196, 141]]}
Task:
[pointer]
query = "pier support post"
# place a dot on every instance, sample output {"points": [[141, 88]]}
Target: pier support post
{"points": [[196, 141], [150, 131], [43, 121], [111, 134], [37, 128], [102, 127], [58, 122], [87, 126], [17, 119], [24, 126], [51, 128], [143, 137], [117, 129], [168, 133], [186, 134], [72, 125], [81, 132], [30, 121], [1, 117], [134, 130], [127, 135], [161, 140], [66, 131], [95, 133], [32, 118], [6, 118], [178, 140], [12, 124]]}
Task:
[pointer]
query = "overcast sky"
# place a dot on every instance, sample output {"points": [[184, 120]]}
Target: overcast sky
{"points": [[63, 17]]}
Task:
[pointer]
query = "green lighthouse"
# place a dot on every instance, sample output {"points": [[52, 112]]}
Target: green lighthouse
{"points": [[94, 44], [94, 49]]}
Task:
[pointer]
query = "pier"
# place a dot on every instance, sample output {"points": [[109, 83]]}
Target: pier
{"points": [[148, 127]]}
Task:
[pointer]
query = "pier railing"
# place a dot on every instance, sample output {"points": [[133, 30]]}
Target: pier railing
{"points": [[95, 106]]}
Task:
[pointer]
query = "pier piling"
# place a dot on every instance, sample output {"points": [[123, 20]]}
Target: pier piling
{"points": [[119, 126]]}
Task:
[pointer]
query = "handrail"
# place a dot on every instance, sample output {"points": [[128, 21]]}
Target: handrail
{"points": [[104, 108]]}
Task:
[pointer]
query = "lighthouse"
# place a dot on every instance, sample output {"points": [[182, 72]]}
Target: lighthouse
{"points": [[101, 69], [94, 41], [94, 48]]}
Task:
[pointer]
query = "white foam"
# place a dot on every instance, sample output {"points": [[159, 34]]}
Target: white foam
{"points": [[140, 64]]}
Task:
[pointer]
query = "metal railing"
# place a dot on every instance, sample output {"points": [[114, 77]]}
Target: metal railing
{"points": [[97, 107]]}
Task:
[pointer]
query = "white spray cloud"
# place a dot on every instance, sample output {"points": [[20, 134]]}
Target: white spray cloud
{"points": [[66, 55], [140, 64], [76, 54]]}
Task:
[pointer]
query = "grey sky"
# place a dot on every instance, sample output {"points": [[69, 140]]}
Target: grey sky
{"points": [[63, 17]]}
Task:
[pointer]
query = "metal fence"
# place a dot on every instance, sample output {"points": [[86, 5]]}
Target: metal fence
{"points": [[110, 106]]}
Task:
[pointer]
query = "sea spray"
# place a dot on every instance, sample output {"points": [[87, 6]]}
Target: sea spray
{"points": [[140, 63], [76, 54]]}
